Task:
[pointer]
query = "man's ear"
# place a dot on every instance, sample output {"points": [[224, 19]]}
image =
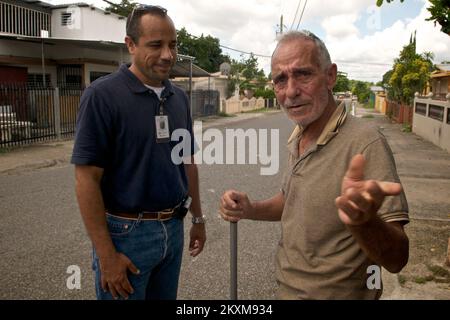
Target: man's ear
{"points": [[331, 76], [130, 44]]}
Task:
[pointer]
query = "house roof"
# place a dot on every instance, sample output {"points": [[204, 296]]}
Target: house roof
{"points": [[443, 67], [39, 3], [437, 74], [181, 68], [443, 71]]}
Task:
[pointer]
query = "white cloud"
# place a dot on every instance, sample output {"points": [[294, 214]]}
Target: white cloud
{"points": [[340, 26], [251, 26], [369, 57]]}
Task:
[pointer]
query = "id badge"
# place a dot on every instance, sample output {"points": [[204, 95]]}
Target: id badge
{"points": [[162, 129]]}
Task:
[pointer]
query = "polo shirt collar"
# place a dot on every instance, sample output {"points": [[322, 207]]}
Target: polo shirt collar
{"points": [[137, 86], [329, 132]]}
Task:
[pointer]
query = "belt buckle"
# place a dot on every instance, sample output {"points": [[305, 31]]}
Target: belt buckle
{"points": [[161, 213]]}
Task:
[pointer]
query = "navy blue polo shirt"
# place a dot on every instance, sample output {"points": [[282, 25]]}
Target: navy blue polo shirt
{"points": [[116, 131]]}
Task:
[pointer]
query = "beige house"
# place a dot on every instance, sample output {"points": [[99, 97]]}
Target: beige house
{"points": [[432, 112], [440, 81]]}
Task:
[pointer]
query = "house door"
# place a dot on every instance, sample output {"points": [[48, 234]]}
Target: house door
{"points": [[13, 93]]}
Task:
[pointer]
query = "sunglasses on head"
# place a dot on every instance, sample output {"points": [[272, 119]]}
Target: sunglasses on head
{"points": [[147, 8]]}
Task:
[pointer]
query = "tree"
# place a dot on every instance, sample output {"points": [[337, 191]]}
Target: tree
{"points": [[361, 90], [206, 50], [440, 13], [410, 73], [342, 83], [124, 8], [246, 75]]}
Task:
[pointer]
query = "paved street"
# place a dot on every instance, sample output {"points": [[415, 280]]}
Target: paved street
{"points": [[42, 233]]}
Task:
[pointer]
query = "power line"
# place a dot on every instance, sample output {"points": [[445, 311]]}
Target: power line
{"points": [[363, 63], [237, 50], [255, 54], [296, 12], [301, 16]]}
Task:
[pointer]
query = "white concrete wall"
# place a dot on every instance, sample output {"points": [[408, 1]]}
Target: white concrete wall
{"points": [[89, 25], [437, 132], [235, 105]]}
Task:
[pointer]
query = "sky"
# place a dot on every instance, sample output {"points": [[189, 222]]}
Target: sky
{"points": [[363, 40]]}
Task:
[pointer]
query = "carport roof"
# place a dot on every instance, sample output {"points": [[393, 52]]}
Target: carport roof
{"points": [[181, 68]]}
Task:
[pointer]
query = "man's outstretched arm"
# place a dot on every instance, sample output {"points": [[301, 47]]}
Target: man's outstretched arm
{"points": [[385, 243]]}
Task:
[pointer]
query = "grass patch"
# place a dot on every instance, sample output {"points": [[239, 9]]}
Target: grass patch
{"points": [[5, 150], [406, 127], [401, 279], [438, 271], [420, 280], [226, 115], [257, 110], [368, 106], [368, 116]]}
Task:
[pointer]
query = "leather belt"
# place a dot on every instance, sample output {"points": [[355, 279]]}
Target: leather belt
{"points": [[179, 211], [160, 215]]}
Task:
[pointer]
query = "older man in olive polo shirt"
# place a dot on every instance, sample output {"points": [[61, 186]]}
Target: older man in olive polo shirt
{"points": [[341, 206]]}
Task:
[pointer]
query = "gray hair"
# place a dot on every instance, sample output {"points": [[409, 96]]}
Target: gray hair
{"points": [[324, 55]]}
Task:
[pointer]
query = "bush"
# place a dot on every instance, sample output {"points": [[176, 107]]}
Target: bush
{"points": [[264, 93]]}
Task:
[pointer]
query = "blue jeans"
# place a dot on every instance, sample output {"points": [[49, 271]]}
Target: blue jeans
{"points": [[155, 247]]}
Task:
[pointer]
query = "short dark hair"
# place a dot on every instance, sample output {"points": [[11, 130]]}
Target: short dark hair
{"points": [[134, 19]]}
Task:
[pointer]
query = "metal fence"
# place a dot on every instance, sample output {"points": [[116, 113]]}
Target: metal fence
{"points": [[205, 103], [31, 114], [400, 113]]}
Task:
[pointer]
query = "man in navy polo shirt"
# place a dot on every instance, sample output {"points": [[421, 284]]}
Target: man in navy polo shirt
{"points": [[130, 192]]}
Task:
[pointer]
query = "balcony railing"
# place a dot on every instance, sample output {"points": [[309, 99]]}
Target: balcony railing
{"points": [[23, 21]]}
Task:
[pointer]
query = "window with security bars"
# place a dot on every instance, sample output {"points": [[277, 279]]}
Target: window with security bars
{"points": [[66, 18], [36, 80], [421, 108], [436, 112], [94, 75]]}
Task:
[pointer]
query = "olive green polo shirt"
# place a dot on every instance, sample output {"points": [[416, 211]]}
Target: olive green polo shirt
{"points": [[317, 257]]}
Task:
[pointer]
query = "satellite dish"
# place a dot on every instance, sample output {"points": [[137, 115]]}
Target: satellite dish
{"points": [[225, 68]]}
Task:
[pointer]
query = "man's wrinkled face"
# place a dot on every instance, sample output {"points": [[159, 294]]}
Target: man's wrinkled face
{"points": [[301, 85], [155, 52]]}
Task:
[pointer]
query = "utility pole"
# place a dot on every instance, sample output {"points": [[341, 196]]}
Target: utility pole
{"points": [[281, 24], [279, 31]]}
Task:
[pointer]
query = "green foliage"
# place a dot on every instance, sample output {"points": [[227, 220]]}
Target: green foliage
{"points": [[401, 279], [124, 8], [380, 2], [206, 50], [264, 93], [342, 83], [406, 127], [225, 115], [246, 75], [362, 90], [440, 13], [410, 73]]}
